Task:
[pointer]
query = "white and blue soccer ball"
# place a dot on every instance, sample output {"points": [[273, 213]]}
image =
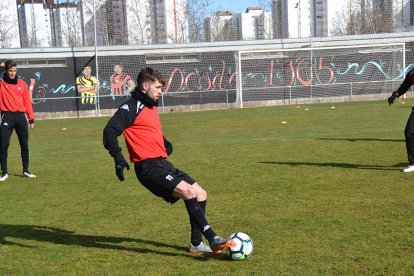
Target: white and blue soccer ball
{"points": [[242, 248]]}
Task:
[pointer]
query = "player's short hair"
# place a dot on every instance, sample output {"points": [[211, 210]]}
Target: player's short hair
{"points": [[9, 64], [149, 74]]}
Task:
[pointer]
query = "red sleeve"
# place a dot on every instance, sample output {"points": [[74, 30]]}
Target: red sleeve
{"points": [[27, 101]]}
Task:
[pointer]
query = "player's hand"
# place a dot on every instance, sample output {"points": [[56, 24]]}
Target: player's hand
{"points": [[394, 96], [120, 165]]}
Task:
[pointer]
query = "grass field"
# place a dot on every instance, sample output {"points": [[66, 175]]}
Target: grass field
{"points": [[321, 194]]}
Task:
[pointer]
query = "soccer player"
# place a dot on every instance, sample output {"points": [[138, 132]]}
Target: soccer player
{"points": [[148, 149], [121, 83], [409, 128], [16, 114], [87, 85]]}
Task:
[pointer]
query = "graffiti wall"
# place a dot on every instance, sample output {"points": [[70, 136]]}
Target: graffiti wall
{"points": [[210, 76]]}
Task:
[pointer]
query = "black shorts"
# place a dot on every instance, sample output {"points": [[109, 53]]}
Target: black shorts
{"points": [[160, 177]]}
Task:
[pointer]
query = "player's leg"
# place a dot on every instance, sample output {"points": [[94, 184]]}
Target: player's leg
{"points": [[163, 180], [409, 142], [22, 131], [196, 241], [186, 191], [6, 129]]}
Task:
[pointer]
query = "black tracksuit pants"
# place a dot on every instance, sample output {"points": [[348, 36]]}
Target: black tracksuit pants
{"points": [[409, 137], [9, 122]]}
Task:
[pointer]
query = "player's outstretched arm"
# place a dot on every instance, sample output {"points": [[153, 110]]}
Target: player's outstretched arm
{"points": [[405, 85], [112, 130]]}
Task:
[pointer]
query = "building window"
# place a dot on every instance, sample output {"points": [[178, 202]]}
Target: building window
{"points": [[36, 63]]}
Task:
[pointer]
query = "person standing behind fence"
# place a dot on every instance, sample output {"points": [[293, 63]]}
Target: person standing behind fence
{"points": [[16, 114], [409, 128], [87, 86], [121, 83]]}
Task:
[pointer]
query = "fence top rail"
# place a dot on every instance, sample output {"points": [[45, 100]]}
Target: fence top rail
{"points": [[333, 48]]}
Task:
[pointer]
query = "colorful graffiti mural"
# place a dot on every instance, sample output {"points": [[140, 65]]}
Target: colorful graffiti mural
{"points": [[209, 74]]}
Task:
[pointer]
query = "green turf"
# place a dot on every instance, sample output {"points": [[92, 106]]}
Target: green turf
{"points": [[321, 194]]}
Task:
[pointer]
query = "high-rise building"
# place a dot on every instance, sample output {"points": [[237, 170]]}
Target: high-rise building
{"points": [[405, 15], [116, 16], [111, 22], [157, 21], [291, 19], [319, 17], [34, 23], [309, 18], [220, 27], [254, 24], [169, 22], [66, 23], [49, 23], [264, 26], [280, 17], [250, 25]]}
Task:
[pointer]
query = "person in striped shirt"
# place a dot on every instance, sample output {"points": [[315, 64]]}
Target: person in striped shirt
{"points": [[121, 83], [87, 86]]}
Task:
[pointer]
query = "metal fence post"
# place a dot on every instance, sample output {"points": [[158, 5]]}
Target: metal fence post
{"points": [[351, 92]]}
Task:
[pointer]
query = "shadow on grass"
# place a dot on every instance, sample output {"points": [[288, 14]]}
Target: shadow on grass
{"points": [[395, 167], [361, 139], [65, 237]]}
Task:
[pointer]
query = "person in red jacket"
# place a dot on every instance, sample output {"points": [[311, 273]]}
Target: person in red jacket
{"points": [[16, 114], [148, 149]]}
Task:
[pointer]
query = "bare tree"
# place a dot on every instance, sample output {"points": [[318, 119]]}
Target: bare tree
{"points": [[197, 11], [7, 30], [222, 27], [139, 21], [266, 5], [31, 40], [365, 17], [340, 24], [179, 17], [379, 17], [102, 26], [71, 31]]}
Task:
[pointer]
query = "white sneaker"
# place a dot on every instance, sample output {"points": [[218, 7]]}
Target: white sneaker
{"points": [[28, 174], [201, 248], [4, 177], [410, 168]]}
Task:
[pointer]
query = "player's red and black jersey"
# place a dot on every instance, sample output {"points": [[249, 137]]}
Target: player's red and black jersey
{"points": [[138, 120], [15, 97]]}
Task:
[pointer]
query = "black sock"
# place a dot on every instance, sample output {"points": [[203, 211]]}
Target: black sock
{"points": [[197, 215], [196, 236]]}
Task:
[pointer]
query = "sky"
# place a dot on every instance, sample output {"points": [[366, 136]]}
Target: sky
{"points": [[233, 5]]}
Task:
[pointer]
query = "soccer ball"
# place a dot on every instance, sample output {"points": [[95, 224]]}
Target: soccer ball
{"points": [[243, 246]]}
